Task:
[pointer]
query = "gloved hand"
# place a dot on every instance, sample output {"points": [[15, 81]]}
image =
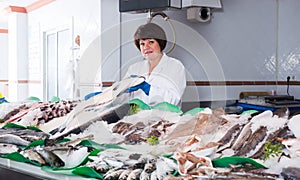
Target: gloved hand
{"points": [[88, 96], [143, 86]]}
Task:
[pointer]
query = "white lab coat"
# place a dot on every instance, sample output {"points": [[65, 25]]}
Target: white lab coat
{"points": [[71, 88], [167, 80]]}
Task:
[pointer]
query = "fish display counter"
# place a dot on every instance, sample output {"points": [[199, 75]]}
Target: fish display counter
{"points": [[104, 139], [18, 170]]}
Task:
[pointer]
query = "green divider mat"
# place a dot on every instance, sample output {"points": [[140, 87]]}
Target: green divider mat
{"points": [[78, 170], [33, 98], [140, 103], [165, 106], [225, 162], [55, 99], [16, 156], [249, 112], [194, 111], [13, 125], [87, 172], [36, 143], [58, 171]]}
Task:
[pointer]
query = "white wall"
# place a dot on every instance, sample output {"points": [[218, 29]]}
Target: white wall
{"points": [[239, 44], [84, 19]]}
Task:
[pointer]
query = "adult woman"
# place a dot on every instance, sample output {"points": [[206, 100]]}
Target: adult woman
{"points": [[165, 76]]}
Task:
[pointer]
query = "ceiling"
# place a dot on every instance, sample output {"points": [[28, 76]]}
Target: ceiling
{"points": [[6, 3]]}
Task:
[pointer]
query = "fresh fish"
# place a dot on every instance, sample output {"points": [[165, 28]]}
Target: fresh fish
{"points": [[113, 174], [153, 175], [254, 140], [8, 148], [27, 134], [99, 166], [112, 114], [291, 173], [230, 134], [145, 176], [50, 158], [149, 167], [243, 137], [13, 139], [140, 164], [75, 142], [23, 112], [164, 166], [33, 156], [121, 127], [273, 138], [124, 175], [188, 161], [135, 174], [112, 162], [107, 97]]}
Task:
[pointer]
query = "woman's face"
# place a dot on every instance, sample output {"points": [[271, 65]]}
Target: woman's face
{"points": [[150, 49]]}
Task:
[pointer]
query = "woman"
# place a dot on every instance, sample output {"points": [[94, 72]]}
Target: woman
{"points": [[165, 76]]}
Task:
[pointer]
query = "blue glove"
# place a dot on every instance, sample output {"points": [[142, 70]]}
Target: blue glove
{"points": [[88, 96], [143, 86], [2, 100]]}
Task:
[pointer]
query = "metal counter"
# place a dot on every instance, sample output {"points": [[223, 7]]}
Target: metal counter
{"points": [[10, 169]]}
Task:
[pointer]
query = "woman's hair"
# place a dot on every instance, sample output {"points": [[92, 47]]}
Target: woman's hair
{"points": [[150, 31]]}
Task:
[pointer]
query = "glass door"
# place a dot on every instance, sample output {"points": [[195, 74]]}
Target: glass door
{"points": [[58, 64]]}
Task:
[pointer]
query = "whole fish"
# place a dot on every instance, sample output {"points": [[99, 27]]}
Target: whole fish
{"points": [[74, 142], [124, 175], [27, 134], [13, 139], [149, 167], [273, 138], [113, 174], [145, 176], [50, 158], [8, 148], [243, 137], [107, 97], [113, 114], [33, 156], [257, 137], [135, 174]]}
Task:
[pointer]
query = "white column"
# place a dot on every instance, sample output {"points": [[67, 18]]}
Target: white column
{"points": [[17, 54]]}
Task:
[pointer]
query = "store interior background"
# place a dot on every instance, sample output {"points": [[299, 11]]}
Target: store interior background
{"points": [[248, 45]]}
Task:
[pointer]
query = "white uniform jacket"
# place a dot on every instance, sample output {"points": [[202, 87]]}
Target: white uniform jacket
{"points": [[167, 80]]}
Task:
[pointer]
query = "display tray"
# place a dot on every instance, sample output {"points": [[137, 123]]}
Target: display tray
{"points": [[19, 170], [267, 106]]}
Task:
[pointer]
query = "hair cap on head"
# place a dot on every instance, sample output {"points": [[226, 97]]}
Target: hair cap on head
{"points": [[150, 31]]}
